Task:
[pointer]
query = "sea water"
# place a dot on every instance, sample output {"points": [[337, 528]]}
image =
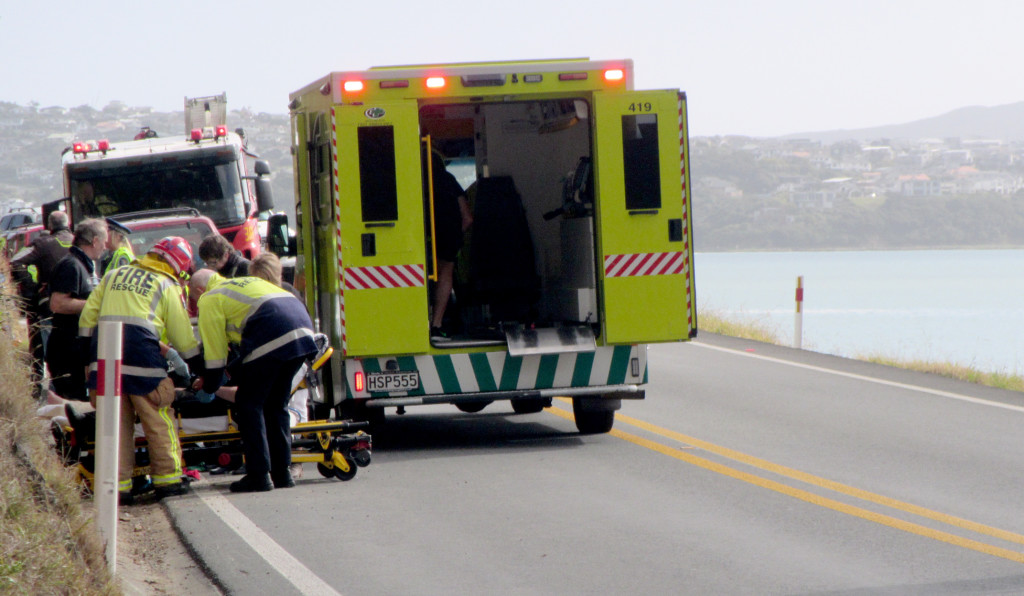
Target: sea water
{"points": [[959, 306]]}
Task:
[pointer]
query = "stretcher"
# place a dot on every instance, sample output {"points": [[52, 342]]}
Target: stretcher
{"points": [[210, 440]]}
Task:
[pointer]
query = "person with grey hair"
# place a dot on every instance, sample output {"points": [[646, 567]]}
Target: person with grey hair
{"points": [[71, 282], [32, 268]]}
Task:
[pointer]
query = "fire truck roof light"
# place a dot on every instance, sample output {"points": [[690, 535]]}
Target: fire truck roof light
{"points": [[572, 76], [615, 74], [352, 86], [221, 131], [435, 82], [197, 134], [103, 145], [80, 147], [394, 84]]}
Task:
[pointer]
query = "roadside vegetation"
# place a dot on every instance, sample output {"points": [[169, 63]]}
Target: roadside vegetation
{"points": [[48, 545], [762, 331]]}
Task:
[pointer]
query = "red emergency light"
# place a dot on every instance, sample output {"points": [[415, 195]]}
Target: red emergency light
{"points": [[615, 74], [197, 134], [435, 82], [81, 147], [221, 131], [103, 145], [359, 381], [352, 86]]}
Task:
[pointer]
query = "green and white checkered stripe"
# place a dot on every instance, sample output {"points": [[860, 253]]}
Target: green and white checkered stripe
{"points": [[500, 371]]}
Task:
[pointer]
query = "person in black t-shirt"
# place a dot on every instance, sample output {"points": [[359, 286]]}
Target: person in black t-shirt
{"points": [[71, 282], [451, 219]]}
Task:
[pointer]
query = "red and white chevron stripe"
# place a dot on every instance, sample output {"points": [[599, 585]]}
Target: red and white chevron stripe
{"points": [[384, 276], [650, 263], [337, 233]]}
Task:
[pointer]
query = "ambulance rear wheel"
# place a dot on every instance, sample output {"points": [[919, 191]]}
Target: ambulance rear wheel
{"points": [[530, 405], [591, 420], [472, 407]]}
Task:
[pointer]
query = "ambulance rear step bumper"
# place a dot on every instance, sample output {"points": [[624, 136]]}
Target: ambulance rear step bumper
{"points": [[613, 392]]}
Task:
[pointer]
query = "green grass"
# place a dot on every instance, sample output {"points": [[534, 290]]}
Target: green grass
{"points": [[761, 330]]}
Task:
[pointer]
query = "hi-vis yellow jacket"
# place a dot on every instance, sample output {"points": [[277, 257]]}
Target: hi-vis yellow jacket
{"points": [[255, 316], [146, 297]]}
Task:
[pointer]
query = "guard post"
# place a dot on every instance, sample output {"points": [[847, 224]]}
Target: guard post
{"points": [[108, 416], [798, 324]]}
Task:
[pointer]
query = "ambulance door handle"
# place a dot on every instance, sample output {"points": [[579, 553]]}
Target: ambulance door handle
{"points": [[675, 230], [369, 245]]}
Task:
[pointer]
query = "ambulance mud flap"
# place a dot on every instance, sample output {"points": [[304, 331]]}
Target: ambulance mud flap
{"points": [[601, 393], [557, 340]]}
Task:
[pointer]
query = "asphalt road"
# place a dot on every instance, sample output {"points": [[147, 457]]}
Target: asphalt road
{"points": [[749, 469]]}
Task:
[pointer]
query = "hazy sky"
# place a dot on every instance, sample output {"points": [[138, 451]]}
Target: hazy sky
{"points": [[751, 67]]}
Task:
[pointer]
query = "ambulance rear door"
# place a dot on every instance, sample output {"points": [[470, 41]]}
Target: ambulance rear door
{"points": [[643, 216], [380, 219]]}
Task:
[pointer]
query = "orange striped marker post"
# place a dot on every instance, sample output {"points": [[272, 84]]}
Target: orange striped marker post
{"points": [[798, 326]]}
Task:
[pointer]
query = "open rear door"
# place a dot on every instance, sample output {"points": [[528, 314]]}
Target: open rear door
{"points": [[643, 214], [379, 199]]}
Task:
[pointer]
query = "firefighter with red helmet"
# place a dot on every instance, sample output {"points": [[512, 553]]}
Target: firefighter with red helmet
{"points": [[146, 297]]}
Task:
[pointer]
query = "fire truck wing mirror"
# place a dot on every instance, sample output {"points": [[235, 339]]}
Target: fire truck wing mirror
{"points": [[278, 241], [262, 168], [62, 204], [264, 194]]}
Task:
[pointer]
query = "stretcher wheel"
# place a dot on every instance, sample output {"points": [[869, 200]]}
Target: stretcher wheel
{"points": [[336, 471]]}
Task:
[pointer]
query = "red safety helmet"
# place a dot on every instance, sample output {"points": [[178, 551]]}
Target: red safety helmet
{"points": [[176, 251]]}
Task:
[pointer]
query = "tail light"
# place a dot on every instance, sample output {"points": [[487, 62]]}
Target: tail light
{"points": [[360, 381]]}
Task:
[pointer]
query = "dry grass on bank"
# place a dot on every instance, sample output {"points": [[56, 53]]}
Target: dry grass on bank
{"points": [[757, 330], [47, 544]]}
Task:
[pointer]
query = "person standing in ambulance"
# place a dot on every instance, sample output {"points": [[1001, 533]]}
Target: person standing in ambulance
{"points": [[452, 218]]}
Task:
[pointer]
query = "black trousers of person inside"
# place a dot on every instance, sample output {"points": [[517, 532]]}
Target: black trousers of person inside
{"points": [[264, 388]]}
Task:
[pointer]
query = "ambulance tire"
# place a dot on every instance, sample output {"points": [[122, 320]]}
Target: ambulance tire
{"points": [[472, 407], [590, 420], [530, 405]]}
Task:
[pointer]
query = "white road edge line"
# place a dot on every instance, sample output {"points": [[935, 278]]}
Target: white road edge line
{"points": [[273, 553], [957, 396]]}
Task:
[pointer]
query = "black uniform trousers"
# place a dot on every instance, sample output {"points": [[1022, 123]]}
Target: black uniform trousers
{"points": [[264, 388]]}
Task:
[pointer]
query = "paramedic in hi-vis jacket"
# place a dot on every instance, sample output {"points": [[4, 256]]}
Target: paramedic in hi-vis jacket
{"points": [[146, 297], [272, 335]]}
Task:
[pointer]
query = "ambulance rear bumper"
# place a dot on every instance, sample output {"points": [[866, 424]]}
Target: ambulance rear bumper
{"points": [[616, 392]]}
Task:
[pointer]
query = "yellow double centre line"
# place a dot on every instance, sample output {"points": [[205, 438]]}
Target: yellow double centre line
{"points": [[810, 497]]}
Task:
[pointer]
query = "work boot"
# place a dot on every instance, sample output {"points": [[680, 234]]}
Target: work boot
{"points": [[283, 479], [252, 484], [171, 490]]}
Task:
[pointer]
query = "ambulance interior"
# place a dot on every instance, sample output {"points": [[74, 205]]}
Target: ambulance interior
{"points": [[526, 272]]}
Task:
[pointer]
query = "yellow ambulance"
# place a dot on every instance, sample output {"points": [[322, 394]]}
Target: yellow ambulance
{"points": [[573, 247]]}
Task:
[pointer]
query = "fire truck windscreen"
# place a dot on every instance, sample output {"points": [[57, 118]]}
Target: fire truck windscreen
{"points": [[208, 181]]}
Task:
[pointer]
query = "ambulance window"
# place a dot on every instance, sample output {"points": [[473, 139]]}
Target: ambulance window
{"points": [[640, 161], [377, 173]]}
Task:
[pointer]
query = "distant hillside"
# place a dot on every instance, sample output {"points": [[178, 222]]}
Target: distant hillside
{"points": [[1004, 122]]}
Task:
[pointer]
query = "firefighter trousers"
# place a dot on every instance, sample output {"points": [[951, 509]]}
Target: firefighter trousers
{"points": [[157, 417]]}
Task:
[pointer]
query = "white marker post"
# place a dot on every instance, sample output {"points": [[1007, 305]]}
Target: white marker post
{"points": [[108, 416], [798, 326]]}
